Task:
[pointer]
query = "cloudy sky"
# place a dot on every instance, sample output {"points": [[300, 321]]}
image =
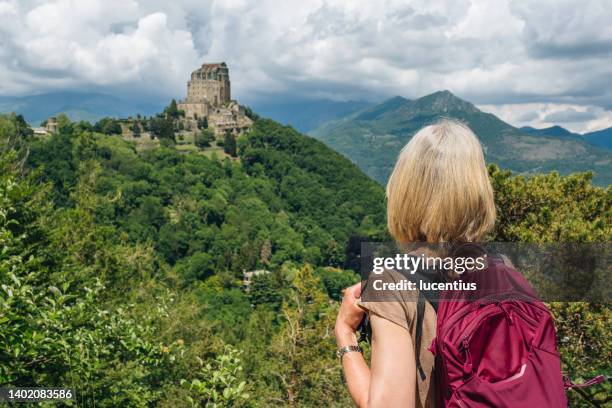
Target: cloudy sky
{"points": [[536, 62]]}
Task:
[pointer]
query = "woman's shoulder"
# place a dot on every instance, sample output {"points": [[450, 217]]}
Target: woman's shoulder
{"points": [[394, 296]]}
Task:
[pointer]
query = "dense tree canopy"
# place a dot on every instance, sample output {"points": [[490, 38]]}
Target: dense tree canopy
{"points": [[108, 126], [121, 270]]}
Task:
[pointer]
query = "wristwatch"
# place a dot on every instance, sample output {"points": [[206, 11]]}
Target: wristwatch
{"points": [[347, 349]]}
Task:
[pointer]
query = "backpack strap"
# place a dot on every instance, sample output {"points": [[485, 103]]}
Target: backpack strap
{"points": [[569, 385], [419, 335], [423, 298]]}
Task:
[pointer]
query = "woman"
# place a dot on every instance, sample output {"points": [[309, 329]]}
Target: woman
{"points": [[439, 191]]}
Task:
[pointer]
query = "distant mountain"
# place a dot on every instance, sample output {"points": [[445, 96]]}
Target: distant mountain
{"points": [[373, 137], [556, 131], [601, 138], [78, 106], [307, 115]]}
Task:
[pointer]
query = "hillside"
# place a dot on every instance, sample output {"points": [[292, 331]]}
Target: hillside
{"points": [[78, 106], [602, 138], [373, 137], [188, 204], [126, 266]]}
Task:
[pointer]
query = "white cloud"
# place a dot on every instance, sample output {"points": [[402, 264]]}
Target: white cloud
{"points": [[576, 118], [493, 52], [109, 44]]}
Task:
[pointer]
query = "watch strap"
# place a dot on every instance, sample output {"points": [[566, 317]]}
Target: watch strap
{"points": [[347, 349]]}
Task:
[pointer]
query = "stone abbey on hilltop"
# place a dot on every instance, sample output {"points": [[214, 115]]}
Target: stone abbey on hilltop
{"points": [[209, 97], [207, 109]]}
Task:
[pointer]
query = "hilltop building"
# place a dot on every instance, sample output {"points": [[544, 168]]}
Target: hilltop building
{"points": [[247, 277], [40, 131], [209, 96], [50, 127]]}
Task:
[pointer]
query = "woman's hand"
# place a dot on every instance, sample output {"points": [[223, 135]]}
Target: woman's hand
{"points": [[392, 380], [349, 316]]}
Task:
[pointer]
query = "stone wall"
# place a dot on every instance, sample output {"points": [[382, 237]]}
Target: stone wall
{"points": [[194, 110]]}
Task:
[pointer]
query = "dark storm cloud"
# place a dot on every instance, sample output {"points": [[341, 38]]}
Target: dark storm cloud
{"points": [[489, 51], [528, 116], [569, 115]]}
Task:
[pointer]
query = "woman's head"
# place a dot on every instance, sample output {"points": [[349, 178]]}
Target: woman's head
{"points": [[439, 190]]}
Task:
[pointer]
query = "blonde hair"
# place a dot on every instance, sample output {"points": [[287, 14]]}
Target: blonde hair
{"points": [[439, 190]]}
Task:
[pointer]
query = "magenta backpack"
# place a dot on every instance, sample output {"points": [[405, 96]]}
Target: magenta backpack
{"points": [[497, 348]]}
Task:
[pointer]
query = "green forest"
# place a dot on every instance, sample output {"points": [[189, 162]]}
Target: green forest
{"points": [[121, 270]]}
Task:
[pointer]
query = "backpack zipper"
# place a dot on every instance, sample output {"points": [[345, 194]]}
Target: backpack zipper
{"points": [[470, 330]]}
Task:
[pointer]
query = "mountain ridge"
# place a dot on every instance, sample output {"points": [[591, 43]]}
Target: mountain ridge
{"points": [[555, 130], [89, 106], [373, 141], [601, 138]]}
